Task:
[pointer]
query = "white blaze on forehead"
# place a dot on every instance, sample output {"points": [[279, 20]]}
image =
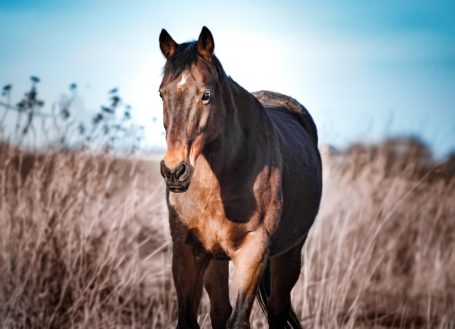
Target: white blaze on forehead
{"points": [[182, 80]]}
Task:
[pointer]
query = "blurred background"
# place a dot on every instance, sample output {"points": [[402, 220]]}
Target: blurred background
{"points": [[365, 70], [84, 237]]}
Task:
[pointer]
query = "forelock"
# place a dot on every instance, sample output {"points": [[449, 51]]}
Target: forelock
{"points": [[184, 57]]}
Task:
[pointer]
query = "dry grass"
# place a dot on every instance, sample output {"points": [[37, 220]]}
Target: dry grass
{"points": [[84, 243]]}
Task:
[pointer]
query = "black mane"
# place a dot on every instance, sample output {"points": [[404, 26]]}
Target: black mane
{"points": [[186, 55]]}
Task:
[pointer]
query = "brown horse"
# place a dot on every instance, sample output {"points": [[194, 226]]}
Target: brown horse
{"points": [[243, 176]]}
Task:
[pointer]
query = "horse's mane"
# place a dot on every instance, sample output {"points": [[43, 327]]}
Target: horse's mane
{"points": [[186, 55]]}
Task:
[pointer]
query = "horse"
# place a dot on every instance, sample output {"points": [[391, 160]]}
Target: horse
{"points": [[243, 184]]}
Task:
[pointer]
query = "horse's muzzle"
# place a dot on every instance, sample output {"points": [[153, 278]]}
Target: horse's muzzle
{"points": [[177, 179]]}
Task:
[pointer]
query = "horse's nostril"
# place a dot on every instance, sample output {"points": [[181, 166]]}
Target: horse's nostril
{"points": [[180, 175], [181, 172], [165, 172]]}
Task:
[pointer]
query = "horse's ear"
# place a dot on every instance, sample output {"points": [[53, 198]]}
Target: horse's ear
{"points": [[205, 44], [167, 44]]}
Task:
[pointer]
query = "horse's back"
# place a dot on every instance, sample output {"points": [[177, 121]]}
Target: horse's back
{"points": [[301, 167], [271, 99]]}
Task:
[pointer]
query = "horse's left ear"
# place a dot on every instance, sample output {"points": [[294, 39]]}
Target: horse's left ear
{"points": [[205, 44]]}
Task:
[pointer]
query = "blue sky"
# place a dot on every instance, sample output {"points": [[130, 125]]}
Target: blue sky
{"points": [[365, 70]]}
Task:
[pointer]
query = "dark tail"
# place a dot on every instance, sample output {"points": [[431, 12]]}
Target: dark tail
{"points": [[263, 295]]}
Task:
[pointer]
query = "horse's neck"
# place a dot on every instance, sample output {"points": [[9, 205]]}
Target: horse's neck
{"points": [[248, 133]]}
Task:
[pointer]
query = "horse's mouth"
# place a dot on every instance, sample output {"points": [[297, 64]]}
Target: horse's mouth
{"points": [[179, 188]]}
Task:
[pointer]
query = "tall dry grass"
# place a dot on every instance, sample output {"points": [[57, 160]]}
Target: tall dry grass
{"points": [[381, 250], [80, 242], [84, 243]]}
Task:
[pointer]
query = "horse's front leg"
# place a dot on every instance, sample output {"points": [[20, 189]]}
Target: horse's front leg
{"points": [[188, 270], [249, 263]]}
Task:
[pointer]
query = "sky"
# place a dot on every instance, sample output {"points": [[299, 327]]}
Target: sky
{"points": [[364, 69]]}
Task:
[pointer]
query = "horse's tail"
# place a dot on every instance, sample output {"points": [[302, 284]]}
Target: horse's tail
{"points": [[263, 295]]}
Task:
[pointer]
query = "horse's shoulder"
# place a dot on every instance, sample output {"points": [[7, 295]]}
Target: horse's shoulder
{"points": [[271, 98]]}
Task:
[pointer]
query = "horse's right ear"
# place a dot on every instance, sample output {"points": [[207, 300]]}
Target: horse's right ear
{"points": [[167, 44]]}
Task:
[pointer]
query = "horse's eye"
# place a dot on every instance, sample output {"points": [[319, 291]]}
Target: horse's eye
{"points": [[161, 95], [205, 98]]}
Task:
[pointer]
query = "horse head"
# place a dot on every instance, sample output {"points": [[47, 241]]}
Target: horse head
{"points": [[191, 91]]}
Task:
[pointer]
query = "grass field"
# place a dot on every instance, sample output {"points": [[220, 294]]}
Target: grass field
{"points": [[84, 242]]}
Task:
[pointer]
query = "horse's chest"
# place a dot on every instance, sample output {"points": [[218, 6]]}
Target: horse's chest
{"points": [[194, 208], [219, 218], [205, 220]]}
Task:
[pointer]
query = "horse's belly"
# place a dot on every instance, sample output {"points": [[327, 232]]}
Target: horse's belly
{"points": [[301, 198], [301, 182]]}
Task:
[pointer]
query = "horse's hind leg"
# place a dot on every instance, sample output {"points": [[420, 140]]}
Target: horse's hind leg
{"points": [[216, 282], [285, 271]]}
